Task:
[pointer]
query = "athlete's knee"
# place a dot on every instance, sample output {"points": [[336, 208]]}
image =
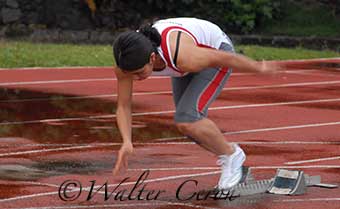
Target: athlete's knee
{"points": [[188, 115], [186, 128]]}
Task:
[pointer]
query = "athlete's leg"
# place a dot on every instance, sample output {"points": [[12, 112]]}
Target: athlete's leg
{"points": [[191, 119], [192, 107], [179, 86], [191, 111], [207, 135]]}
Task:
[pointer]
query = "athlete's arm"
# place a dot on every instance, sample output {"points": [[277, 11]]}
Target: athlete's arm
{"points": [[192, 58], [123, 113], [124, 100]]}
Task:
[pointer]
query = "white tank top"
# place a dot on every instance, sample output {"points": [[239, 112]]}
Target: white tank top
{"points": [[204, 33]]}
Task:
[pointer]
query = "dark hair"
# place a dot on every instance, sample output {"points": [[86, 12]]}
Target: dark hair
{"points": [[132, 49], [152, 34]]}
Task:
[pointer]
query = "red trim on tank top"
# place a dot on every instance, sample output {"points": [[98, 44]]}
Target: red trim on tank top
{"points": [[164, 45]]}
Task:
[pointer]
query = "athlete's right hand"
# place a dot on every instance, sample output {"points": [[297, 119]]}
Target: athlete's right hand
{"points": [[122, 158], [269, 67]]}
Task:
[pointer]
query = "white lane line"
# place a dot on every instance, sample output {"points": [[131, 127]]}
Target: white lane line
{"points": [[291, 142], [170, 92], [284, 128], [97, 145], [28, 196], [218, 168], [27, 83], [262, 130], [279, 142], [32, 183], [96, 68], [243, 106], [47, 150], [172, 111], [329, 59], [309, 200], [319, 74], [297, 167], [289, 61], [107, 79], [313, 160], [71, 68], [176, 169], [187, 143], [55, 82], [168, 178], [39, 184], [284, 85], [126, 205], [61, 98]]}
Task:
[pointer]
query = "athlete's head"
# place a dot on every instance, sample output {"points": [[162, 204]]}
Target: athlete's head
{"points": [[135, 52]]}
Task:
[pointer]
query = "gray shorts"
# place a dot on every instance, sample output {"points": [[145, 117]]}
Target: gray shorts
{"points": [[194, 93]]}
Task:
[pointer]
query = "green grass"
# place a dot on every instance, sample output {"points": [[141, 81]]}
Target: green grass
{"points": [[303, 19], [25, 54], [271, 53]]}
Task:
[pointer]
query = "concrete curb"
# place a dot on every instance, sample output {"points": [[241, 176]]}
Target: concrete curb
{"points": [[21, 32]]}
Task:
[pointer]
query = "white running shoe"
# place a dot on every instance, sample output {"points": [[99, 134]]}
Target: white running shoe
{"points": [[231, 168]]}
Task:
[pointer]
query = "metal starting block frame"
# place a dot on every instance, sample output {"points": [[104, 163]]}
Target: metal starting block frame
{"points": [[285, 182], [288, 182]]}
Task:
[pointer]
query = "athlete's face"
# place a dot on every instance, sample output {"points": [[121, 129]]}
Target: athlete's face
{"points": [[144, 72]]}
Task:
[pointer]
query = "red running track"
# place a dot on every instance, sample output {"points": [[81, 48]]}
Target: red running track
{"points": [[58, 125]]}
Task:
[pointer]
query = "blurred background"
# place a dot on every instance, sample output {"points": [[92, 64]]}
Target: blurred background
{"points": [[295, 18], [26, 24]]}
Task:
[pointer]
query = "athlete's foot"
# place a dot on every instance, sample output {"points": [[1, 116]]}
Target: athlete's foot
{"points": [[231, 166]]}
